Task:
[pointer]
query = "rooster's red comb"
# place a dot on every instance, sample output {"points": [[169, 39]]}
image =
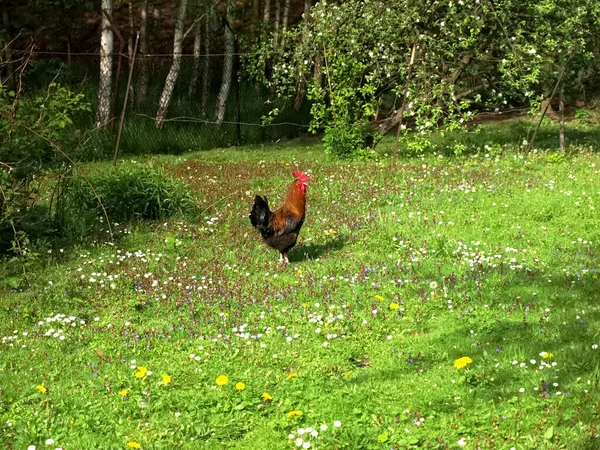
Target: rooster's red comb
{"points": [[301, 176]]}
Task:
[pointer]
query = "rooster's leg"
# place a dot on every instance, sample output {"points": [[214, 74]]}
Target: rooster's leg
{"points": [[285, 258]]}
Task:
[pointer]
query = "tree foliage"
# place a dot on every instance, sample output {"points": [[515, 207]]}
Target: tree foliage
{"points": [[472, 55]]}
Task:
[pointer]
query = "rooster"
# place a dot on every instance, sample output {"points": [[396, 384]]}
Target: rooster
{"points": [[280, 228]]}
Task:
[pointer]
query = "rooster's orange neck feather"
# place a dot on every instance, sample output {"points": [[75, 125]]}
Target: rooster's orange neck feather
{"points": [[295, 201]]}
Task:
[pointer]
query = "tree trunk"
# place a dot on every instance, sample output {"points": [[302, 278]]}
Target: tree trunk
{"points": [[131, 31], [106, 67], [69, 48], [286, 15], [238, 103], [227, 65], [276, 25], [547, 103], [255, 14], [267, 12], [5, 43], [301, 84], [143, 64], [167, 92], [318, 70], [197, 54], [563, 142], [130, 43], [206, 65]]}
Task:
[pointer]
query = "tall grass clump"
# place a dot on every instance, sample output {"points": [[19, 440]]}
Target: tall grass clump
{"points": [[126, 193]]}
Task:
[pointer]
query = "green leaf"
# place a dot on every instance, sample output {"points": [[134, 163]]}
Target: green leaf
{"points": [[549, 433]]}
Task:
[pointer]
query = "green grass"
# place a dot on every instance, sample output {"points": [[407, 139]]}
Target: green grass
{"points": [[396, 276]]}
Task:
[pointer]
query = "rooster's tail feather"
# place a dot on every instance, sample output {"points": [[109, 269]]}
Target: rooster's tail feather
{"points": [[260, 215]]}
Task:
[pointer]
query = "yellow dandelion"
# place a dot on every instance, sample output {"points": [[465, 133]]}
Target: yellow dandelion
{"points": [[394, 306], [306, 305], [222, 380], [294, 413], [299, 271], [41, 388], [379, 297], [267, 396], [240, 386], [124, 393], [462, 362], [166, 379], [141, 371], [291, 375], [546, 355], [133, 444]]}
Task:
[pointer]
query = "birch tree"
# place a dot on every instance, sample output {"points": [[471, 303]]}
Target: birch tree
{"points": [[131, 30], [206, 64], [106, 66], [143, 63], [286, 15], [267, 12], [197, 56], [276, 25], [227, 64], [130, 42], [301, 82], [167, 92]]}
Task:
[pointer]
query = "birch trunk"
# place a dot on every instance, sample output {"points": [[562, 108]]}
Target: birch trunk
{"points": [[227, 65], [197, 53], [130, 44], [106, 67], [563, 142], [143, 64], [277, 17], [267, 12], [206, 65], [167, 93], [131, 31], [301, 84], [286, 14]]}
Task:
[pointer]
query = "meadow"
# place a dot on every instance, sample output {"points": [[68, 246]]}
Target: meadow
{"points": [[450, 303]]}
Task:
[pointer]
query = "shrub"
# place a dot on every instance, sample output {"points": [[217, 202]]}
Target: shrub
{"points": [[29, 163], [344, 139]]}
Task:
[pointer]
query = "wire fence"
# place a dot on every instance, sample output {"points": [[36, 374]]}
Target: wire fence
{"points": [[191, 122]]}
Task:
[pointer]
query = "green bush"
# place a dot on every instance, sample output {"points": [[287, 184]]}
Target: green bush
{"points": [[30, 164], [344, 139], [127, 193]]}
